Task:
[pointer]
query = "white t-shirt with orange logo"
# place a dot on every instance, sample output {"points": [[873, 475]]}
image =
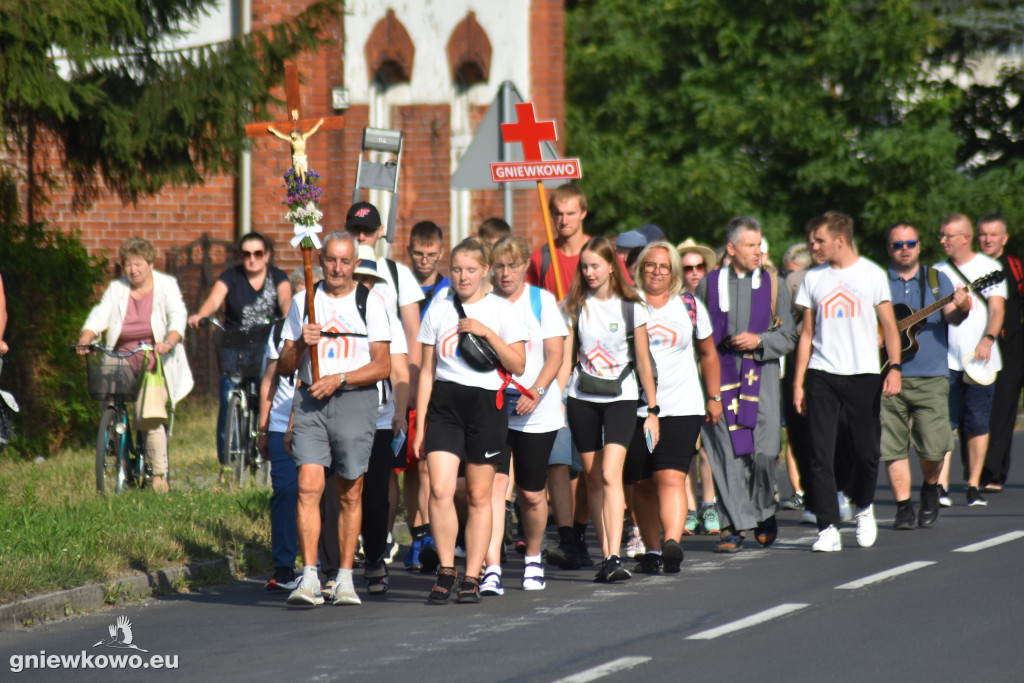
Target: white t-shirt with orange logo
{"points": [[603, 351], [670, 335], [845, 322], [440, 329], [338, 314]]}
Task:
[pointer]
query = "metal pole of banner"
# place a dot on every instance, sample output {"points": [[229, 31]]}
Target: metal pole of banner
{"points": [[506, 150]]}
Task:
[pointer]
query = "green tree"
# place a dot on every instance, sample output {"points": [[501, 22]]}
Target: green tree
{"points": [[99, 79], [96, 81], [687, 112]]}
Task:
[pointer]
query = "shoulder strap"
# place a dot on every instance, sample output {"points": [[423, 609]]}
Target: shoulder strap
{"points": [[627, 315], [933, 281], [691, 309], [429, 294], [576, 334], [1018, 273], [535, 301], [545, 262], [362, 294], [275, 332], [458, 305], [393, 267], [967, 281]]}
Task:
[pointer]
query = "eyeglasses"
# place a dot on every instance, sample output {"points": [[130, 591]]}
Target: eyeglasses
{"points": [[662, 268], [944, 236], [426, 258], [511, 267], [909, 244], [252, 254], [697, 268]]}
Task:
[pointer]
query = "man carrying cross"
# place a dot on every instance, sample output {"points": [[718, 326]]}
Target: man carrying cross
{"points": [[752, 330]]}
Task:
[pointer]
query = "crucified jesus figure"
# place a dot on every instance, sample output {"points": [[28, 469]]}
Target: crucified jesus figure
{"points": [[298, 143]]}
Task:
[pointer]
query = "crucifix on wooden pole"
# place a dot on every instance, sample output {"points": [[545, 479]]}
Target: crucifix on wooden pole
{"points": [[296, 131]]}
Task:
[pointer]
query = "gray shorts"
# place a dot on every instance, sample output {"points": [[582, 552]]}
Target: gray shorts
{"points": [[335, 431], [564, 451]]}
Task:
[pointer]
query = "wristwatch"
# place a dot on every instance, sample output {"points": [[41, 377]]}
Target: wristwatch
{"points": [[654, 410], [539, 390], [716, 397], [343, 381], [990, 338]]}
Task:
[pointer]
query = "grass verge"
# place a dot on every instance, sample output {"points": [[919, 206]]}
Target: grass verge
{"points": [[57, 532]]}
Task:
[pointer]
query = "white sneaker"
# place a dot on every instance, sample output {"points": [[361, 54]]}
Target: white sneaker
{"points": [[344, 593], [808, 517], [845, 511], [828, 541], [635, 545], [867, 528], [307, 594]]}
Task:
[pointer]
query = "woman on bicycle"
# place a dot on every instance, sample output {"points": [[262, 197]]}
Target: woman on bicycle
{"points": [[533, 422], [254, 294], [679, 326], [145, 307], [458, 416], [603, 393]]}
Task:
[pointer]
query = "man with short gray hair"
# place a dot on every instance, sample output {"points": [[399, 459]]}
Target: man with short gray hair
{"points": [[335, 416], [752, 329]]}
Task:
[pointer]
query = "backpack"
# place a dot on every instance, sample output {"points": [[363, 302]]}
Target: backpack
{"points": [[393, 269], [535, 300]]}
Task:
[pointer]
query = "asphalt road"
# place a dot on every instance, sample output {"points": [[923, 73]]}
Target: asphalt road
{"points": [[923, 605]]}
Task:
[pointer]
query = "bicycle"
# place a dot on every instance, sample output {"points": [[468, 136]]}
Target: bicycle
{"points": [[240, 357], [120, 461]]}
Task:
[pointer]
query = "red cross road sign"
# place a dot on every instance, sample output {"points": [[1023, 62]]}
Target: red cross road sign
{"points": [[530, 132]]}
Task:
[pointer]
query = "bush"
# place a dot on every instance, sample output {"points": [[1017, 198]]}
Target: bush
{"points": [[50, 281]]}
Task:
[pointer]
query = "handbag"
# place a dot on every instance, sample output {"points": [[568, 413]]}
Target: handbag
{"points": [[477, 353], [151, 404]]}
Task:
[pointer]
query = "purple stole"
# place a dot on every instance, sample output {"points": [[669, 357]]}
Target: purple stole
{"points": [[740, 390]]}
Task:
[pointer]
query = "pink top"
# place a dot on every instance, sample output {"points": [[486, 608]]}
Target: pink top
{"points": [[137, 328]]}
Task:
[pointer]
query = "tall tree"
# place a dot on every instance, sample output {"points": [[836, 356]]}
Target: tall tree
{"points": [[100, 80], [687, 112]]}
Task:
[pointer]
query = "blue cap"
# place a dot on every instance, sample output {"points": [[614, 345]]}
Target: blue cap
{"points": [[652, 232], [630, 239]]}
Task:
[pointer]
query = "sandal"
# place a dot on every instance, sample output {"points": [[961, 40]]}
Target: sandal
{"points": [[470, 590], [766, 531], [376, 577], [442, 590], [533, 577], [729, 544]]}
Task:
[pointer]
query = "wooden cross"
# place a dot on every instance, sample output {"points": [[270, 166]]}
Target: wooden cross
{"points": [[294, 122], [751, 377]]}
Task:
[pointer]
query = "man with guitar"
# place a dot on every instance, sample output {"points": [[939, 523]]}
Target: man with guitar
{"points": [[992, 242], [973, 356], [924, 302]]}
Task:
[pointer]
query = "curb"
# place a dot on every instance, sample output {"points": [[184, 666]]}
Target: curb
{"points": [[49, 607], [73, 601]]}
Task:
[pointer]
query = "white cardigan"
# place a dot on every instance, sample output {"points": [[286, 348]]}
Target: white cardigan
{"points": [[169, 313]]}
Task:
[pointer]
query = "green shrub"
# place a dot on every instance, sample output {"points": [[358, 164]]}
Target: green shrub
{"points": [[50, 281]]}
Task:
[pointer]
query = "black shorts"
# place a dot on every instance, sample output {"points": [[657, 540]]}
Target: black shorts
{"points": [[674, 450], [595, 424], [465, 421], [532, 452]]}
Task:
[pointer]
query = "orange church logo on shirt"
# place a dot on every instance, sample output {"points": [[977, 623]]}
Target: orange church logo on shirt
{"points": [[336, 347], [841, 303], [662, 333], [599, 361], [450, 343]]}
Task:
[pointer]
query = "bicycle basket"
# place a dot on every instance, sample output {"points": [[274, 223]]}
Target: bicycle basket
{"points": [[112, 377], [241, 352]]}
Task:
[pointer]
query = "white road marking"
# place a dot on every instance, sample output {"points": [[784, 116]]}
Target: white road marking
{"points": [[614, 666], [752, 620], [882, 576], [998, 540]]}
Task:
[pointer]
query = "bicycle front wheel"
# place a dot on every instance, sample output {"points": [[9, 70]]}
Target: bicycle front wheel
{"points": [[110, 462], [237, 438]]}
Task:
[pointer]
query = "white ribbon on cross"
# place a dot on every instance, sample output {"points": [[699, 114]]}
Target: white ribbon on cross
{"points": [[310, 231]]}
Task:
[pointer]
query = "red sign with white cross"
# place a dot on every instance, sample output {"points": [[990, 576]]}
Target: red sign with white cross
{"points": [[530, 133]]}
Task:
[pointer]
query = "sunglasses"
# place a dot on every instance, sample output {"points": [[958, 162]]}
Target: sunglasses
{"points": [[909, 244], [252, 254], [691, 269]]}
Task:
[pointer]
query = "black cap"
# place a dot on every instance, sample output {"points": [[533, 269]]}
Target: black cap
{"points": [[362, 215]]}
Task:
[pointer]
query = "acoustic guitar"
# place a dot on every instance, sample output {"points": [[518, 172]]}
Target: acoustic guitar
{"points": [[909, 322]]}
